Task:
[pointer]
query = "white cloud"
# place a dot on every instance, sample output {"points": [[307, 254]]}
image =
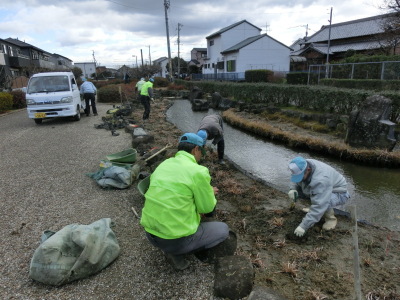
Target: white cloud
{"points": [[117, 29]]}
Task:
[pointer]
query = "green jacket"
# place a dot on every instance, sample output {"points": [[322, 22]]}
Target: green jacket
{"points": [[179, 192], [147, 89]]}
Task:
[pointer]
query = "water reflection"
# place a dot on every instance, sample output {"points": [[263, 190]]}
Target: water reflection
{"points": [[375, 191]]}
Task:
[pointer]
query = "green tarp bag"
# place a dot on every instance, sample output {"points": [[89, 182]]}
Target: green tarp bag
{"points": [[74, 252]]}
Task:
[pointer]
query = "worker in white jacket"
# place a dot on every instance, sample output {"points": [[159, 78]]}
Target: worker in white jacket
{"points": [[323, 185]]}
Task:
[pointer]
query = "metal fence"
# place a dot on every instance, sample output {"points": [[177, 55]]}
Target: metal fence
{"points": [[220, 76], [386, 70]]}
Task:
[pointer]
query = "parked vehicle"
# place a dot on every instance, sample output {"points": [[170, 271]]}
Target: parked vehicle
{"points": [[53, 94]]}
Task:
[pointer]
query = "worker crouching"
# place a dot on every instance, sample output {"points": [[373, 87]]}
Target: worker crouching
{"points": [[179, 192]]}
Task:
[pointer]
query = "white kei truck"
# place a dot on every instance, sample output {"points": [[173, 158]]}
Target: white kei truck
{"points": [[53, 94]]}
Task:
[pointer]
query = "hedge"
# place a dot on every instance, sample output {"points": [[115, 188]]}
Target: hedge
{"points": [[319, 98]]}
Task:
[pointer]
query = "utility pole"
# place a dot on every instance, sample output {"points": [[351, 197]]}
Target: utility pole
{"points": [[179, 61], [95, 67], [149, 56], [329, 46], [166, 7], [141, 54]]}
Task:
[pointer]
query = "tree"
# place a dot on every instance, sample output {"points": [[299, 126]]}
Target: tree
{"points": [[183, 66], [77, 72], [391, 27]]}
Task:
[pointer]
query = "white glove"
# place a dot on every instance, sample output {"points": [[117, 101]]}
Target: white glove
{"points": [[293, 194], [299, 231], [152, 99]]}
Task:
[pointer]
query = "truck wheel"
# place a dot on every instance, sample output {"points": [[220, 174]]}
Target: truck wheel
{"points": [[77, 117], [38, 121]]}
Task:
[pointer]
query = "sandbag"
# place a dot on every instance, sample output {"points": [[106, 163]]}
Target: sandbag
{"points": [[113, 177], [74, 252]]}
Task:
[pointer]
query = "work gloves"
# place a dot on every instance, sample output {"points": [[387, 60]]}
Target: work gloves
{"points": [[299, 231], [152, 99], [293, 194]]}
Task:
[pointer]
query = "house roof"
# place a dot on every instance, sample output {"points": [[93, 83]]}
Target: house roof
{"points": [[323, 47], [158, 60], [23, 44], [248, 41], [355, 28], [200, 49], [219, 32]]}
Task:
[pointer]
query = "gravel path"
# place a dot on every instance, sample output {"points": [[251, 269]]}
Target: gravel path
{"points": [[43, 186]]}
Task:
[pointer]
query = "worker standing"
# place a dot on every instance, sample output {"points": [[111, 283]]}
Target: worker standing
{"points": [[179, 192], [146, 94], [212, 128], [323, 185], [88, 90], [139, 85]]}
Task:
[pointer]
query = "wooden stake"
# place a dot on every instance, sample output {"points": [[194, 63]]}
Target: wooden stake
{"points": [[135, 213], [356, 257]]}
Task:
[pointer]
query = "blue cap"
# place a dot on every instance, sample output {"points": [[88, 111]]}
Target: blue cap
{"points": [[151, 79], [297, 167], [191, 138], [203, 134], [83, 79]]}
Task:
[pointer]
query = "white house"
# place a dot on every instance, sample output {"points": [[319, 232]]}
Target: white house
{"points": [[88, 68], [162, 62], [240, 47]]}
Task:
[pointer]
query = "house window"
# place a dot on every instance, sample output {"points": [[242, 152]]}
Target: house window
{"points": [[213, 65], [231, 66], [220, 65], [10, 51], [35, 55], [4, 49], [211, 42]]}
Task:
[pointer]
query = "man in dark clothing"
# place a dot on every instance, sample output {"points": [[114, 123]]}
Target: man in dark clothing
{"points": [[212, 128]]}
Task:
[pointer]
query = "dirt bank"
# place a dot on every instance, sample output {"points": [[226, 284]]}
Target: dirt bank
{"points": [[317, 266]]}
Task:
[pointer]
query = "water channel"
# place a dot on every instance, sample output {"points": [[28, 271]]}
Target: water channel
{"points": [[374, 191]]}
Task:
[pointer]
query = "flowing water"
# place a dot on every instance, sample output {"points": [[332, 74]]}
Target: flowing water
{"points": [[374, 191]]}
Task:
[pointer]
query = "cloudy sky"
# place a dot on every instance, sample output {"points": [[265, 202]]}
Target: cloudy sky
{"points": [[120, 31]]}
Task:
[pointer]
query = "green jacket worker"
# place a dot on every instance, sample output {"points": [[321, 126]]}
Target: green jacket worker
{"points": [[179, 192], [146, 94], [323, 185]]}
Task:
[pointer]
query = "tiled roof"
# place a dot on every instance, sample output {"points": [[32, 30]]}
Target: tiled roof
{"points": [[323, 48], [355, 28], [230, 27], [248, 41]]}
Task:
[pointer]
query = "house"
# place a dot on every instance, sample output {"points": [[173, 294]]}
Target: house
{"points": [[363, 36], [240, 47], [61, 63], [38, 58], [197, 56], [162, 62], [88, 68]]}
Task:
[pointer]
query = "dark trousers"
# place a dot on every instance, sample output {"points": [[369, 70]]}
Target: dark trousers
{"points": [[221, 149], [90, 98], [208, 235], [146, 104]]}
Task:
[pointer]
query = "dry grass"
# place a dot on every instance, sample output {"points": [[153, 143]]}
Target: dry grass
{"points": [[276, 222], [290, 268], [231, 186], [279, 243], [337, 149], [317, 295]]}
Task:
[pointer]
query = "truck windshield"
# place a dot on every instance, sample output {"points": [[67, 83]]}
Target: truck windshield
{"points": [[48, 84]]}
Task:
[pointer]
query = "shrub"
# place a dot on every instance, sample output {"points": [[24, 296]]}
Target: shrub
{"points": [[6, 101], [175, 87], [297, 78], [19, 100], [109, 93], [258, 75], [161, 82]]}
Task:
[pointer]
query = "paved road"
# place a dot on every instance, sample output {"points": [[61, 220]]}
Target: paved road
{"points": [[43, 186]]}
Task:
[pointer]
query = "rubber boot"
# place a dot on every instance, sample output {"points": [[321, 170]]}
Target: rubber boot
{"points": [[177, 261], [330, 220]]}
